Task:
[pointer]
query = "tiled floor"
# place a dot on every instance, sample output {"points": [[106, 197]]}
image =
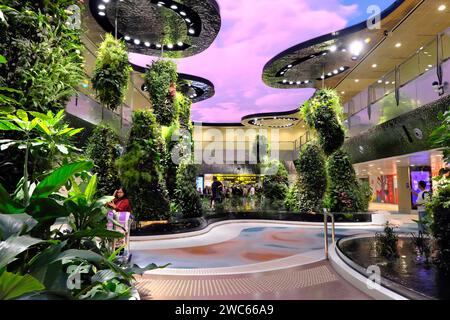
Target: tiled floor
{"points": [[316, 281]]}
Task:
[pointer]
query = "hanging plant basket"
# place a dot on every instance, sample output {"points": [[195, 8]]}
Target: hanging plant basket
{"points": [[112, 73], [160, 79]]}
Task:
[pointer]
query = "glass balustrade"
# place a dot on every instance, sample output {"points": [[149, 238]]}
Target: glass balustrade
{"points": [[415, 77]]}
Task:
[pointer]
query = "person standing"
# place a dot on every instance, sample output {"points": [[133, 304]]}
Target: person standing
{"points": [[423, 197], [120, 202], [216, 188]]}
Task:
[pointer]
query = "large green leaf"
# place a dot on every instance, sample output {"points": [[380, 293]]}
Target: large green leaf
{"points": [[7, 204], [8, 126], [13, 246], [59, 177], [43, 209], [91, 188], [14, 285], [15, 224], [92, 257]]}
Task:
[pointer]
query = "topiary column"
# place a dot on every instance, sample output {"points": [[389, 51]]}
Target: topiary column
{"points": [[275, 183], [102, 149], [141, 171], [187, 199], [312, 179], [343, 194]]}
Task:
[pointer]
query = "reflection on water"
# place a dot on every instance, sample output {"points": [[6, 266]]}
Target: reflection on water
{"points": [[404, 270]]}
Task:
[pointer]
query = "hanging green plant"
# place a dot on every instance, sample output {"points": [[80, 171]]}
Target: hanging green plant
{"points": [[160, 79], [112, 73]]}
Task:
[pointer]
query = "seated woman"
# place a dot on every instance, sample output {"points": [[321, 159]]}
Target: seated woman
{"points": [[120, 202]]}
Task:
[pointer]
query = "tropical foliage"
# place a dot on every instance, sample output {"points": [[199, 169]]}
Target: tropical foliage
{"points": [[45, 139], [160, 79], [323, 113], [275, 183], [441, 135], [141, 170], [112, 73], [343, 188], [387, 242], [187, 198], [312, 179], [438, 209], [43, 54], [102, 149]]}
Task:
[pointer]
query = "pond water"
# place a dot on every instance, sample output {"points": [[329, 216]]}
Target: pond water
{"points": [[406, 270]]}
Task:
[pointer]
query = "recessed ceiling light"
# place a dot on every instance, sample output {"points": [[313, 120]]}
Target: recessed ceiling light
{"points": [[380, 81], [398, 161], [367, 40], [158, 45], [333, 48], [299, 82], [398, 45], [191, 31], [174, 7], [284, 81], [187, 20], [289, 66], [335, 71], [344, 50], [127, 38], [329, 74], [356, 80], [442, 7], [374, 65], [306, 81], [183, 13], [137, 41], [322, 77], [291, 82], [170, 46], [342, 68], [147, 44], [430, 66], [342, 92], [105, 1], [101, 13], [101, 6], [180, 44]]}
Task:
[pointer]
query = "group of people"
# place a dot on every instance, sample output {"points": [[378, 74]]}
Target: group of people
{"points": [[217, 191]]}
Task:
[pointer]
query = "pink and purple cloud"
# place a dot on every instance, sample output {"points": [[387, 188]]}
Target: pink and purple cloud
{"points": [[252, 32]]}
